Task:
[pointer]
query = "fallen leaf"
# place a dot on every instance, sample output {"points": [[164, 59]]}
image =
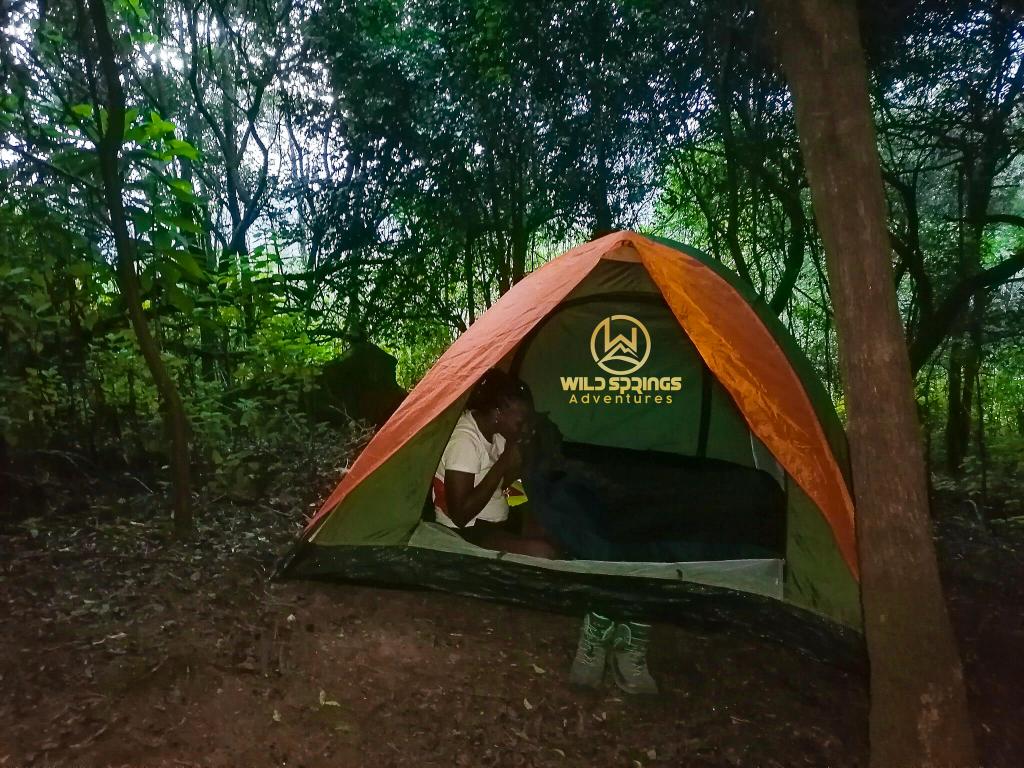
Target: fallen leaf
{"points": [[527, 704], [325, 702]]}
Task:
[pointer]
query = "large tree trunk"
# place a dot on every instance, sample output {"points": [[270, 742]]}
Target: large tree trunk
{"points": [[109, 151], [918, 704]]}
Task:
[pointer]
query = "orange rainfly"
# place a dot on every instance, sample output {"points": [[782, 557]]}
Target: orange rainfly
{"points": [[745, 357], [732, 340]]}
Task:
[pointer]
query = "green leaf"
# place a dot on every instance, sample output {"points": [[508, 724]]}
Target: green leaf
{"points": [[81, 270], [141, 218], [182, 190], [188, 265], [208, 323], [179, 148], [169, 272], [161, 238], [179, 299], [184, 223], [82, 110], [136, 7], [50, 33], [157, 126]]}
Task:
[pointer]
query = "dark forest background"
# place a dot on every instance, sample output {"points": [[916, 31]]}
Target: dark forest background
{"points": [[303, 179]]}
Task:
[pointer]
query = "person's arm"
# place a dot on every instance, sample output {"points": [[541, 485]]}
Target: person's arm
{"points": [[466, 500], [514, 469]]}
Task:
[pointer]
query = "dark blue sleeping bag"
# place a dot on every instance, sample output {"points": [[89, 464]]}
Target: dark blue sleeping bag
{"points": [[619, 504]]}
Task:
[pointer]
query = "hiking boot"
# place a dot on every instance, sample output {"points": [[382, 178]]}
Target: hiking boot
{"points": [[629, 658], [592, 651]]}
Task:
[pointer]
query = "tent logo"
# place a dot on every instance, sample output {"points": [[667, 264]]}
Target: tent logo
{"points": [[624, 352]]}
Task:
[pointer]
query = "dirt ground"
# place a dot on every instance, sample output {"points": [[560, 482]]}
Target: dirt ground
{"points": [[121, 647]]}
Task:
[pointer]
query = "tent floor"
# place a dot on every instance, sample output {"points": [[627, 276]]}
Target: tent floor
{"points": [[760, 577], [517, 580]]}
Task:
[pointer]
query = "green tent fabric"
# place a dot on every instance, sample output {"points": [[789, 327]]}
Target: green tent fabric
{"points": [[372, 528]]}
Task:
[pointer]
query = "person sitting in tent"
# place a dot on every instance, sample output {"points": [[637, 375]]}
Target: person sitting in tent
{"points": [[483, 456], [482, 459]]}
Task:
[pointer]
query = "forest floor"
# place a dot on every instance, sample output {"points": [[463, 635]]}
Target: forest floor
{"points": [[123, 647]]}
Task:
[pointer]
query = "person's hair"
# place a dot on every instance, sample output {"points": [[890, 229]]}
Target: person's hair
{"points": [[496, 388]]}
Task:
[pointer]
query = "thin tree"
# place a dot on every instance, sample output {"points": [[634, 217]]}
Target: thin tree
{"points": [[918, 703], [108, 148]]}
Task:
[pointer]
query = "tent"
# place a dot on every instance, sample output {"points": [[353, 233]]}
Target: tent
{"points": [[633, 346]]}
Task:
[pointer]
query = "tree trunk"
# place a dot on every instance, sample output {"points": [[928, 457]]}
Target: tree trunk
{"points": [[467, 266], [924, 412], [732, 181], [982, 444], [918, 703], [965, 354], [603, 218], [957, 427], [519, 236], [6, 508], [964, 365], [109, 151], [204, 253]]}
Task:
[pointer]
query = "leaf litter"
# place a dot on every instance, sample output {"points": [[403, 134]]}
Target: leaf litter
{"points": [[120, 655]]}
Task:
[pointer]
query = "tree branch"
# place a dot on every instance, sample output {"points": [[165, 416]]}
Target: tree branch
{"points": [[1005, 218], [935, 328]]}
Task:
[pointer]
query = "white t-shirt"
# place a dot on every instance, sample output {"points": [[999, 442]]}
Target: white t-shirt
{"points": [[469, 451]]}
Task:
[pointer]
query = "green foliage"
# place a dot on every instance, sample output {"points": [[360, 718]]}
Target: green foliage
{"points": [[420, 352], [28, 413], [301, 176]]}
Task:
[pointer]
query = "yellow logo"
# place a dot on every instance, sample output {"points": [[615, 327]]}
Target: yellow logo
{"points": [[624, 352]]}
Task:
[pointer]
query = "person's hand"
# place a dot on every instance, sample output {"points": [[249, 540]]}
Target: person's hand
{"points": [[511, 456]]}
